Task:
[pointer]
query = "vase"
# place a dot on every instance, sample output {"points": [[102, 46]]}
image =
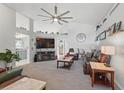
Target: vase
{"points": [[9, 66]]}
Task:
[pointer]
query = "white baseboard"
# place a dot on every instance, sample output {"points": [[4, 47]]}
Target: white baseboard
{"points": [[119, 85]]}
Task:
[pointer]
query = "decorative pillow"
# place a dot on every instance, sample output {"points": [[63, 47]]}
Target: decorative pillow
{"points": [[104, 58], [2, 70]]}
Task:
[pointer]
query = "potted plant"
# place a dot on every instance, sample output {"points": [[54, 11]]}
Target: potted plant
{"points": [[8, 57]]}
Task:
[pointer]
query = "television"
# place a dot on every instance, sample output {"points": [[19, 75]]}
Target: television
{"points": [[44, 43]]}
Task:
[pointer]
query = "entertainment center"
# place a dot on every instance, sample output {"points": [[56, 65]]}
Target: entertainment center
{"points": [[44, 49], [45, 55]]}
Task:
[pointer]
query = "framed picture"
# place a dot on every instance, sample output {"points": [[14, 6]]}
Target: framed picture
{"points": [[104, 20], [108, 31], [103, 35], [118, 26], [113, 28], [97, 38]]}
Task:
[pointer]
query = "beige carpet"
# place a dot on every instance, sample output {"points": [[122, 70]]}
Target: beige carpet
{"points": [[61, 79]]}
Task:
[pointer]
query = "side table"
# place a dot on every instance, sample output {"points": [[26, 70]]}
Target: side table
{"points": [[100, 67]]}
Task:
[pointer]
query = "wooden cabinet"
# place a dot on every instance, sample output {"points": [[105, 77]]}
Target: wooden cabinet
{"points": [[45, 55]]}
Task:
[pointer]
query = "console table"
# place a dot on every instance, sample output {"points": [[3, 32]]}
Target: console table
{"points": [[100, 67], [45, 56]]}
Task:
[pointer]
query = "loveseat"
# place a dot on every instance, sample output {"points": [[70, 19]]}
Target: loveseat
{"points": [[14, 80], [94, 56], [9, 77]]}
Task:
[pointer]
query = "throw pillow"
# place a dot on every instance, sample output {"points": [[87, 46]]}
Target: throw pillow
{"points": [[104, 58], [2, 70]]}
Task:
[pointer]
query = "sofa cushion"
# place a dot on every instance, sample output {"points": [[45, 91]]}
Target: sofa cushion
{"points": [[89, 55], [2, 70], [10, 74], [104, 58], [93, 59]]}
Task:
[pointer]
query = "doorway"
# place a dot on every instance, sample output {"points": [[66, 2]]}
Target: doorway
{"points": [[22, 48]]}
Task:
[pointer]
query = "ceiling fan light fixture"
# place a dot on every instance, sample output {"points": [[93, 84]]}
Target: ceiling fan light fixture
{"points": [[55, 20]]}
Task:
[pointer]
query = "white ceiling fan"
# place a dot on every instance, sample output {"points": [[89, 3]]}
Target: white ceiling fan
{"points": [[55, 17]]}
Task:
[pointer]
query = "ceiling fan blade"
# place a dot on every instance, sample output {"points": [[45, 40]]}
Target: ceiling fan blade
{"points": [[52, 21], [66, 17], [64, 21], [64, 13], [44, 16], [59, 22], [55, 9], [46, 19], [46, 12]]}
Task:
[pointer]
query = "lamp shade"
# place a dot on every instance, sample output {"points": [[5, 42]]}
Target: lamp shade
{"points": [[109, 50]]}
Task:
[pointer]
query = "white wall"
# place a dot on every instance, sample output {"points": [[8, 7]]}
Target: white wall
{"points": [[117, 40], [7, 29], [73, 29], [22, 21]]}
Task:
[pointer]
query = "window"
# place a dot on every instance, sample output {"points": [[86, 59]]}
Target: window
{"points": [[19, 44]]}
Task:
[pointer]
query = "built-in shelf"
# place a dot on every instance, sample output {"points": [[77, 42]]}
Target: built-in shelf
{"points": [[44, 56]]}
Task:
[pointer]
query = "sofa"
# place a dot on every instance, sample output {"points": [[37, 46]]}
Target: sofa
{"points": [[11, 80], [94, 56], [9, 77], [2, 70]]}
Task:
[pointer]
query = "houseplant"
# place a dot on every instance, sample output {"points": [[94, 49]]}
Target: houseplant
{"points": [[8, 57]]}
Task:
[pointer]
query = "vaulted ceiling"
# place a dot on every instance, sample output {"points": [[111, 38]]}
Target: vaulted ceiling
{"points": [[88, 13]]}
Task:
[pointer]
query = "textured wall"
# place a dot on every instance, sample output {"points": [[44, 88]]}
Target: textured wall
{"points": [[117, 40]]}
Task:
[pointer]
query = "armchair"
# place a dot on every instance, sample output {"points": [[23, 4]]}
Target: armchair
{"points": [[72, 53]]}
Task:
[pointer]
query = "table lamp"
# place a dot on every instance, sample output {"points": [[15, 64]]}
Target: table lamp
{"points": [[109, 50]]}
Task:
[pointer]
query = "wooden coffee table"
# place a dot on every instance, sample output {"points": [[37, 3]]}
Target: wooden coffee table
{"points": [[100, 67], [26, 84], [68, 60]]}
